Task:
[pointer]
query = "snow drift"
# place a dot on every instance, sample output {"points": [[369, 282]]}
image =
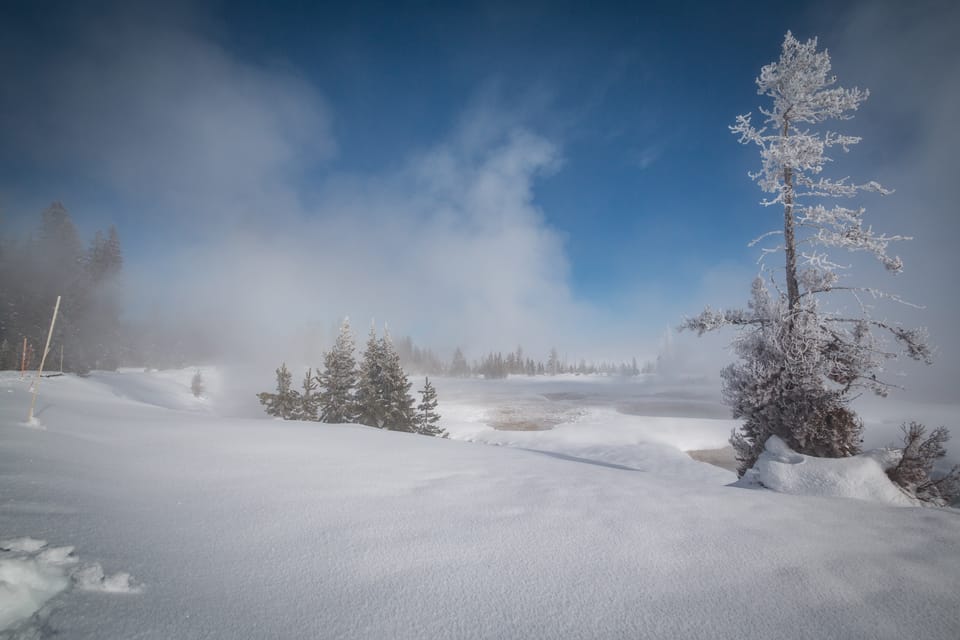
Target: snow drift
{"points": [[862, 476]]}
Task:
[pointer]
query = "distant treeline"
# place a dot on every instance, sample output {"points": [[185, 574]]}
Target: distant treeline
{"points": [[497, 365], [52, 261]]}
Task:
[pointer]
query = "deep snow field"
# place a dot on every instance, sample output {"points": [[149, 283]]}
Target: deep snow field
{"points": [[134, 510]]}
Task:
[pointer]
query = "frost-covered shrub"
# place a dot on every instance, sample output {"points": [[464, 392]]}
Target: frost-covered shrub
{"points": [[780, 386], [915, 466]]}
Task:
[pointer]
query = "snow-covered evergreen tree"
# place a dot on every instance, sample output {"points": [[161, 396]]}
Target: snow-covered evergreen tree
{"points": [[371, 404], [309, 399], [458, 366], [801, 364], [553, 362], [286, 401], [383, 391], [339, 379], [427, 419], [398, 403], [99, 323]]}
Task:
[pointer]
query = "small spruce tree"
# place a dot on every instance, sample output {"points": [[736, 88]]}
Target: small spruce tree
{"points": [[337, 402], [399, 412], [371, 403], [458, 366], [427, 419], [309, 399], [285, 402]]}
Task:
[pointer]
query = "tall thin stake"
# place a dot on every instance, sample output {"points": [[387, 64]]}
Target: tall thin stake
{"points": [[23, 358], [46, 350]]}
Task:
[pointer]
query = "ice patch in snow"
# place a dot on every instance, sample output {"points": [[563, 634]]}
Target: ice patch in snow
{"points": [[31, 574], [862, 477]]}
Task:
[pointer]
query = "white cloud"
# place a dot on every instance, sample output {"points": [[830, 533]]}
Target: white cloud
{"points": [[451, 247]]}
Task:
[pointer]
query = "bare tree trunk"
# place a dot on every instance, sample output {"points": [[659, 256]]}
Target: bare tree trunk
{"points": [[43, 359], [789, 240]]}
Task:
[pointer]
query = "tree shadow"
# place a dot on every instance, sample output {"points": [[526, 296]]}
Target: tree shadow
{"points": [[564, 456]]}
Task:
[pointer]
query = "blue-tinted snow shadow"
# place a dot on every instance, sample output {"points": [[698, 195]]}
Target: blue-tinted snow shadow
{"points": [[564, 456]]}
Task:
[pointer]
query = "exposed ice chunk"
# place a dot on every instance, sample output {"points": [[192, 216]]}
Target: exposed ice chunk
{"points": [[26, 584], [31, 574]]}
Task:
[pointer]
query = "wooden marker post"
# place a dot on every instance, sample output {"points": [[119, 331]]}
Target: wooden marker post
{"points": [[23, 358], [46, 350]]}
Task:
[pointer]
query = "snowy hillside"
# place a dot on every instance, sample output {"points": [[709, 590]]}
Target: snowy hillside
{"points": [[186, 521]]}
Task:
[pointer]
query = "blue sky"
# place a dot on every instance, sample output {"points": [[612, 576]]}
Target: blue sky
{"points": [[591, 138]]}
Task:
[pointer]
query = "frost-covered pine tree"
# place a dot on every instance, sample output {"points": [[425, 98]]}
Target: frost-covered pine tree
{"points": [[196, 385], [800, 362], [286, 401], [427, 419], [371, 405], [458, 366], [399, 412], [553, 362], [339, 378], [309, 399]]}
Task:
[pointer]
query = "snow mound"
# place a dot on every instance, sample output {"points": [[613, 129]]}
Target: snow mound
{"points": [[862, 477], [31, 574], [33, 423]]}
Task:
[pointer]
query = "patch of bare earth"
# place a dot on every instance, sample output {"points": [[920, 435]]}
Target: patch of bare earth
{"points": [[724, 458], [532, 419]]}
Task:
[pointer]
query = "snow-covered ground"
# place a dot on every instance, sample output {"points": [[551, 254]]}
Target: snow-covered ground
{"points": [[138, 511]]}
